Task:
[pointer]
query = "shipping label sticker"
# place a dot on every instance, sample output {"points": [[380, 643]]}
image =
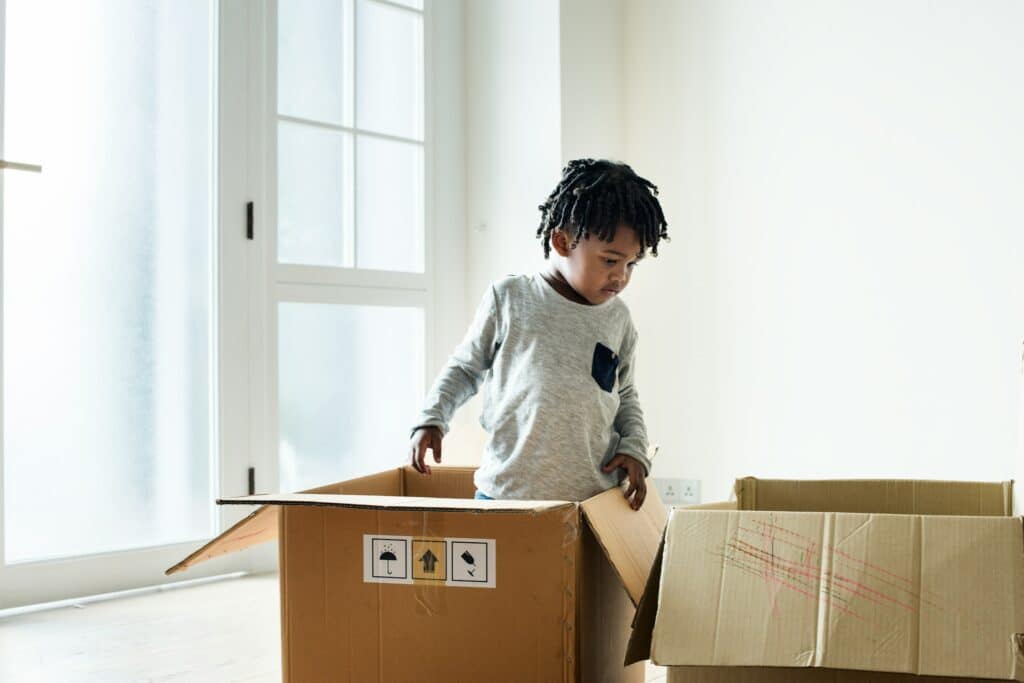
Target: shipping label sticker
{"points": [[453, 562]]}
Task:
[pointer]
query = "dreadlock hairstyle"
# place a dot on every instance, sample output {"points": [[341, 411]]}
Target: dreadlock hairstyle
{"points": [[594, 196]]}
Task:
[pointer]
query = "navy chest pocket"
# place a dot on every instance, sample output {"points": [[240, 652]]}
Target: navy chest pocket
{"points": [[604, 366]]}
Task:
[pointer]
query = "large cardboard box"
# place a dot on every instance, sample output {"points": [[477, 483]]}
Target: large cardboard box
{"points": [[399, 577], [839, 597]]}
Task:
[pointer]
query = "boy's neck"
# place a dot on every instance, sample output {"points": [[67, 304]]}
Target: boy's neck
{"points": [[558, 282]]}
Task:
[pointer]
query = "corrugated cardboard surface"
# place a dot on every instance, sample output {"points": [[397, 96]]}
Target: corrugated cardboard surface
{"points": [[443, 482], [423, 503], [740, 674], [716, 505], [338, 628], [934, 595], [638, 648], [629, 538], [605, 611], [386, 483], [893, 496]]}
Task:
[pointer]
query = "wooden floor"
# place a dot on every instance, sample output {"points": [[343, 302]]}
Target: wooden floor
{"points": [[219, 632]]}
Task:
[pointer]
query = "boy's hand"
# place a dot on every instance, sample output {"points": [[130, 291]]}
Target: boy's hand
{"points": [[637, 488], [422, 439]]}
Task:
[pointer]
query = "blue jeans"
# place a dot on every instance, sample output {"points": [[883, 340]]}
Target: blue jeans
{"points": [[481, 496]]}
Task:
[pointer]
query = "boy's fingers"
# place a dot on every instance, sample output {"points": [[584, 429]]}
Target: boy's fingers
{"points": [[421, 457], [631, 489], [435, 446], [613, 463], [640, 497], [638, 484]]}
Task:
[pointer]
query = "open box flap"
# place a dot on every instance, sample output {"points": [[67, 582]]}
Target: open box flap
{"points": [[258, 527], [261, 525], [397, 489], [629, 538], [639, 647], [892, 496]]}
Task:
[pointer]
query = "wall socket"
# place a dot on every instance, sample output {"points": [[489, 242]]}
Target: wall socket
{"points": [[677, 491]]}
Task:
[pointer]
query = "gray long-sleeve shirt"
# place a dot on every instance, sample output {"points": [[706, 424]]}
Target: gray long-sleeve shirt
{"points": [[559, 402]]}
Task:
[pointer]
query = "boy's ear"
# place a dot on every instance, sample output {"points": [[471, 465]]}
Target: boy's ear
{"points": [[560, 242]]}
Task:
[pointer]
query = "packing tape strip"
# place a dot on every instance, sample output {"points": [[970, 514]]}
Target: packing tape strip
{"points": [[431, 565]]}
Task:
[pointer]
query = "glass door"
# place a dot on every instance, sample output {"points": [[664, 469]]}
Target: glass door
{"points": [[110, 311]]}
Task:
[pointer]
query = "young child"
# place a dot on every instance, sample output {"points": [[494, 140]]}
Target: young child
{"points": [[557, 349]]}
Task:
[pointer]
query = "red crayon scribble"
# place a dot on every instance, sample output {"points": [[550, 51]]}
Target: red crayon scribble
{"points": [[859, 563], [791, 564]]}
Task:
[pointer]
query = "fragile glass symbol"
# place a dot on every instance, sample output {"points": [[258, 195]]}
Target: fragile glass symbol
{"points": [[471, 561], [388, 556]]}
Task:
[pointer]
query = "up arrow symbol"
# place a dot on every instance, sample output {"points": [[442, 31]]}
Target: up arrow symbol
{"points": [[429, 559]]}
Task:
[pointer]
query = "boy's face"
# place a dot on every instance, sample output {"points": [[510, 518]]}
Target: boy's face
{"points": [[598, 270]]}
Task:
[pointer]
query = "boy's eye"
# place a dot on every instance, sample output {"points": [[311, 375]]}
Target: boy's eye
{"points": [[610, 261]]}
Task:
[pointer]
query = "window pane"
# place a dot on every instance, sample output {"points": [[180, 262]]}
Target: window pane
{"points": [[315, 207], [107, 286], [350, 379], [389, 76], [314, 60], [390, 205]]}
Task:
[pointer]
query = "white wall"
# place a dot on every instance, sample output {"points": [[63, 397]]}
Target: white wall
{"points": [[591, 54], [842, 295], [513, 158]]}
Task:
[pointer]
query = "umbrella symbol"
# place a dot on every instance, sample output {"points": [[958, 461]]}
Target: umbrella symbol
{"points": [[468, 559], [388, 557]]}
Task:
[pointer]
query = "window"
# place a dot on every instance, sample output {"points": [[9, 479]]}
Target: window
{"points": [[352, 269], [350, 122], [108, 287]]}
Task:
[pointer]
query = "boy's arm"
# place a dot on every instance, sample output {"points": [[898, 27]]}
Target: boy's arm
{"points": [[629, 421], [462, 376]]}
